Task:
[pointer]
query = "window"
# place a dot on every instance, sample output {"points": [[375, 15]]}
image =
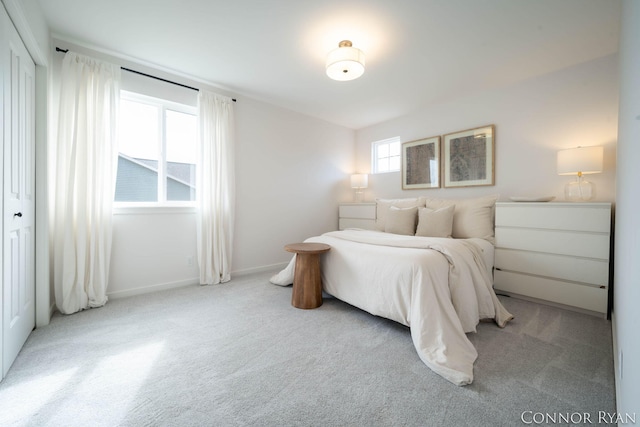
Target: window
{"points": [[385, 155], [157, 151]]}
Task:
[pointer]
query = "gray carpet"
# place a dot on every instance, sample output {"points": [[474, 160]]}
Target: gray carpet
{"points": [[239, 354]]}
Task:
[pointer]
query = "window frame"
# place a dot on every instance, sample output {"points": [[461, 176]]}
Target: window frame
{"points": [[374, 154], [163, 105]]}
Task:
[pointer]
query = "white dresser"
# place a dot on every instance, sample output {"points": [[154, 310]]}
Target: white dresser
{"points": [[357, 215], [555, 252]]}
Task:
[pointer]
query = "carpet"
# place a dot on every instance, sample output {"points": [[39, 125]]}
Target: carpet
{"points": [[238, 354]]}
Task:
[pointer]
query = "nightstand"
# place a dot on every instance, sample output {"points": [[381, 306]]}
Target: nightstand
{"points": [[357, 215], [554, 252], [307, 279]]}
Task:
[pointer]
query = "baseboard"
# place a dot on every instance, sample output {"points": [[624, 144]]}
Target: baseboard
{"points": [[551, 303], [189, 282], [152, 288], [262, 269], [616, 356]]}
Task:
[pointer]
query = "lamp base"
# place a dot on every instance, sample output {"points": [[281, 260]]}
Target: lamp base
{"points": [[357, 196], [579, 190]]}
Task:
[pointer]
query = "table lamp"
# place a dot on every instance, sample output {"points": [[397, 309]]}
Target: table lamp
{"points": [[579, 161], [358, 182]]}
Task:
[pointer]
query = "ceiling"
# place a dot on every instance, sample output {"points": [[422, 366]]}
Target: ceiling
{"points": [[418, 52]]}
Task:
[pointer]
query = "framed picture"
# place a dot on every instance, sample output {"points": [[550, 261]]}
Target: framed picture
{"points": [[468, 157], [421, 163]]}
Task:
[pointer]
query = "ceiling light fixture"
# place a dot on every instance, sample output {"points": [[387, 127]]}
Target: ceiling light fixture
{"points": [[345, 63]]}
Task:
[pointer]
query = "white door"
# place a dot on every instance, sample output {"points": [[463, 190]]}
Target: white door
{"points": [[18, 251]]}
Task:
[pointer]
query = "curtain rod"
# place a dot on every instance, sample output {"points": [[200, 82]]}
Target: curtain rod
{"points": [[147, 75]]}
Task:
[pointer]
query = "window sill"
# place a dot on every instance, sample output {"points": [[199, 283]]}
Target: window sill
{"points": [[152, 209]]}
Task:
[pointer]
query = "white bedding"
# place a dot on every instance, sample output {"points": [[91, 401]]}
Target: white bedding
{"points": [[439, 287]]}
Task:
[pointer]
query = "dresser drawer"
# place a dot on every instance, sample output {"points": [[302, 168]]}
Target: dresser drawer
{"points": [[561, 216], [585, 270], [367, 224], [361, 211], [589, 245], [571, 294]]}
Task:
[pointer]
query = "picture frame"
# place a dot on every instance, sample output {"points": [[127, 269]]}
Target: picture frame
{"points": [[421, 163], [469, 157]]}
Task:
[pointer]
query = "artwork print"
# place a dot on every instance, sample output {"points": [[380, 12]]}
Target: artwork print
{"points": [[469, 157], [421, 163]]}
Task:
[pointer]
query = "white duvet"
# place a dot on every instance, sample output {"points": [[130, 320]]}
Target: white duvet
{"points": [[439, 287]]}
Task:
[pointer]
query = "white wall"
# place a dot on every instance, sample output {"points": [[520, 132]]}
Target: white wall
{"points": [[152, 249], [291, 172], [533, 119], [626, 315]]}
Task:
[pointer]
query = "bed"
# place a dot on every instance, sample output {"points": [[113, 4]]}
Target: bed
{"points": [[439, 286]]}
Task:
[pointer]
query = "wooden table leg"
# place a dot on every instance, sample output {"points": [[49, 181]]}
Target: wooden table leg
{"points": [[307, 282]]}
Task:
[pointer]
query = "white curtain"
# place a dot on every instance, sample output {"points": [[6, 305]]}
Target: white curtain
{"points": [[216, 187], [84, 165]]}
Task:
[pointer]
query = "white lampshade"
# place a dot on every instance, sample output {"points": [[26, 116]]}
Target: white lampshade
{"points": [[345, 62], [359, 180], [580, 161]]}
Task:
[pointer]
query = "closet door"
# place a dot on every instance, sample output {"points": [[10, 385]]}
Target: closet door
{"points": [[18, 252]]}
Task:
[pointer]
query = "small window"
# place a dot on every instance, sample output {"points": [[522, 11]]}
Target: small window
{"points": [[157, 151], [385, 155]]}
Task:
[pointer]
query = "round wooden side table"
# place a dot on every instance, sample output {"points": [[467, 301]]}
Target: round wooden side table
{"points": [[307, 280]]}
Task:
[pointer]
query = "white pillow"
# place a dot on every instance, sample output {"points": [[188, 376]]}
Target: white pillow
{"points": [[435, 223], [471, 217], [383, 206], [401, 220]]}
